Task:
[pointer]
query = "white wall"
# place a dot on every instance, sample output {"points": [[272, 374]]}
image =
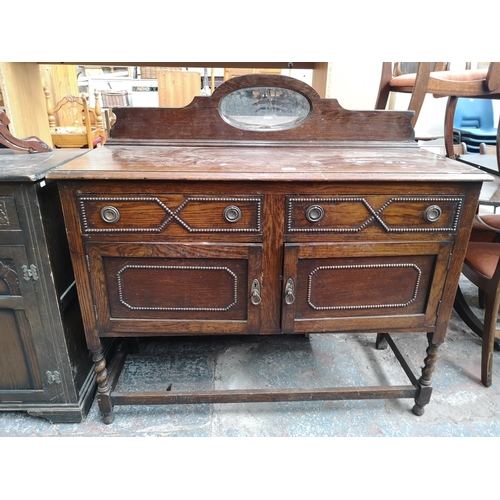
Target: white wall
{"points": [[354, 84]]}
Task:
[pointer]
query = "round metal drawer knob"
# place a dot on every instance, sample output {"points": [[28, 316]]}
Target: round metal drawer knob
{"points": [[232, 213], [110, 214], [315, 213], [432, 213]]}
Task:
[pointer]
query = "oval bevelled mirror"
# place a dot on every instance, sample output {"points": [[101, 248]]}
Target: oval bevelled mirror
{"points": [[264, 109]]}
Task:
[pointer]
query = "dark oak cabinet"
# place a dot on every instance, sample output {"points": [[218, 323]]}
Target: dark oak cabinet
{"points": [[45, 368]]}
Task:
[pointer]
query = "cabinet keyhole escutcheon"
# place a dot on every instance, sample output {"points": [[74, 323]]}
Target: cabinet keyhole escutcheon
{"points": [[289, 292], [255, 293]]}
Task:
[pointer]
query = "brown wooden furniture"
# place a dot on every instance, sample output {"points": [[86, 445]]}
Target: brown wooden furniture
{"points": [[30, 144], [45, 368], [482, 83], [482, 268], [192, 221], [481, 265], [74, 124], [233, 72], [112, 98], [490, 192], [398, 78], [21, 84]]}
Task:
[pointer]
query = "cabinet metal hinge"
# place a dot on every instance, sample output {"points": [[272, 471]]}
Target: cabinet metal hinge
{"points": [[449, 261], [30, 272], [438, 310], [53, 377]]}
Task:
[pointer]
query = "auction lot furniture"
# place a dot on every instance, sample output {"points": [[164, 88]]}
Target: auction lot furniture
{"points": [[73, 123], [265, 209], [45, 368]]}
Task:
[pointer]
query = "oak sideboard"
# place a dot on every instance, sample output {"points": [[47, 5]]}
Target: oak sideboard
{"points": [[265, 209]]}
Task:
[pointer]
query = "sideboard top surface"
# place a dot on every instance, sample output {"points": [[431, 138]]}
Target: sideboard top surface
{"points": [[266, 163], [203, 142]]}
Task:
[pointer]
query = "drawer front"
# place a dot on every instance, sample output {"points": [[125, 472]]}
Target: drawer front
{"points": [[170, 214], [373, 214], [370, 287], [175, 288]]}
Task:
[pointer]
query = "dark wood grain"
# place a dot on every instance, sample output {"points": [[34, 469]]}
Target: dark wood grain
{"points": [[171, 264], [45, 366], [263, 395], [201, 120], [372, 163]]}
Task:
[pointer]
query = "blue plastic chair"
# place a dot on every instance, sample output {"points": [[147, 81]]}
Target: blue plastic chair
{"points": [[474, 123], [474, 117]]}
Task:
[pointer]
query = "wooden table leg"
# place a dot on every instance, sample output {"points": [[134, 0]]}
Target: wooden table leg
{"points": [[103, 386], [425, 392]]}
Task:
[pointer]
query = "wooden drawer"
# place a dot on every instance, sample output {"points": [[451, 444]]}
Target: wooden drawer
{"points": [[373, 214], [170, 214]]}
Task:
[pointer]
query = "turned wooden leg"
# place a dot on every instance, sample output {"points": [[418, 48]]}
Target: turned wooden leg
{"points": [[481, 299], [489, 331], [103, 386], [425, 392]]}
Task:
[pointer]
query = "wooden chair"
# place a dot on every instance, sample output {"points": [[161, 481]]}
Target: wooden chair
{"points": [[74, 124], [481, 264], [416, 83], [482, 268], [481, 83]]}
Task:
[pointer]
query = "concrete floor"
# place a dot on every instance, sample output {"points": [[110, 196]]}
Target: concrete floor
{"points": [[460, 404]]}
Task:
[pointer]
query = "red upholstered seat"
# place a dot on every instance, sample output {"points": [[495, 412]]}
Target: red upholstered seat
{"points": [[483, 257], [490, 220], [481, 267], [469, 75]]}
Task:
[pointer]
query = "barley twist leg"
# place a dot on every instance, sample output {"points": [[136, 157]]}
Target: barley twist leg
{"points": [[425, 392]]}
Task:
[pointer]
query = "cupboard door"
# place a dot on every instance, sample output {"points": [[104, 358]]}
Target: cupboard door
{"points": [[22, 344], [368, 287], [158, 289]]}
